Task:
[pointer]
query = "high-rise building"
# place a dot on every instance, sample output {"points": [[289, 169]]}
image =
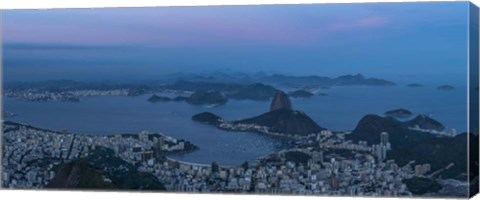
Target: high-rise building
{"points": [[147, 155], [380, 152], [215, 167], [317, 157], [160, 143], [422, 169], [31, 176], [143, 136], [334, 182], [384, 138], [454, 132], [6, 178], [418, 170]]}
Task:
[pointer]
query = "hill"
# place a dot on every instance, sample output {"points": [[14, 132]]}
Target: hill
{"points": [[439, 152], [98, 169], [425, 122], [80, 174], [207, 117], [285, 122], [411, 145]]}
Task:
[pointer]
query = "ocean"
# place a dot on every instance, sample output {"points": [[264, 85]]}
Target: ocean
{"points": [[339, 111]]}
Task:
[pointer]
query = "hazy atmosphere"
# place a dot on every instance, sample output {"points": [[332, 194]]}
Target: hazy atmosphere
{"points": [[390, 40]]}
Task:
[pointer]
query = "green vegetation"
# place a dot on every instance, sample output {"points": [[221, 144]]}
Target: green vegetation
{"points": [[80, 174], [345, 153], [419, 185], [103, 163], [438, 152], [421, 147], [297, 157]]}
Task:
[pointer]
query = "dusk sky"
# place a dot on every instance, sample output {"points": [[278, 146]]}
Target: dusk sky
{"points": [[386, 40]]}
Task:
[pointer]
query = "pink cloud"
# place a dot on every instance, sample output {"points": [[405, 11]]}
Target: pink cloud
{"points": [[165, 33], [364, 23]]}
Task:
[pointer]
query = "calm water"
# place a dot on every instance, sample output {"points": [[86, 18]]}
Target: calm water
{"points": [[341, 110]]}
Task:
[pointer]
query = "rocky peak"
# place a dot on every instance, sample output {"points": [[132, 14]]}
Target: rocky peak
{"points": [[281, 101]]}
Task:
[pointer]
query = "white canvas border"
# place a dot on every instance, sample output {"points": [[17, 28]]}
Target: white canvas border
{"points": [[57, 4]]}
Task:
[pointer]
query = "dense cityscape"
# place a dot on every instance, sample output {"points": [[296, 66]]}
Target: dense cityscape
{"points": [[31, 155], [71, 96]]}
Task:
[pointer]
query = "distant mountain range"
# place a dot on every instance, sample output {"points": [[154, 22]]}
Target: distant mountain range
{"points": [[209, 87], [287, 80], [216, 80], [254, 91]]}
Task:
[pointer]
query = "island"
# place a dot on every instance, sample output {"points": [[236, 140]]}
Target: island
{"points": [[445, 87], [155, 98], [414, 85], [322, 94], [207, 98], [207, 117], [180, 98], [399, 113], [300, 94]]}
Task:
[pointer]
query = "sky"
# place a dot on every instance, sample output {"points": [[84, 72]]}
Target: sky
{"points": [[385, 40]]}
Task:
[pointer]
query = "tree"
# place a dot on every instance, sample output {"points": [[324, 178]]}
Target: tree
{"points": [[245, 165], [215, 167]]}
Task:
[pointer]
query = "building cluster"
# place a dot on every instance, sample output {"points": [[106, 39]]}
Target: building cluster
{"points": [[31, 156], [243, 127], [325, 173], [452, 133], [421, 170], [329, 141], [361, 176], [71, 95]]}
